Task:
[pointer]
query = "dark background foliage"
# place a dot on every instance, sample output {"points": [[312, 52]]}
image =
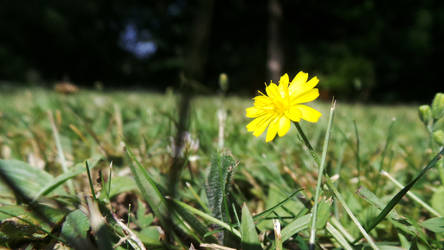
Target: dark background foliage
{"points": [[366, 50]]}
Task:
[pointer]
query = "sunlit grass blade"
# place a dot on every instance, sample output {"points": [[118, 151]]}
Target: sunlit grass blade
{"points": [[341, 228], [357, 152], [338, 236], [132, 238], [395, 200], [341, 200], [375, 201], [295, 226], [320, 174], [196, 196], [277, 234], [59, 149], [208, 218], [200, 229], [91, 184], [412, 195]]}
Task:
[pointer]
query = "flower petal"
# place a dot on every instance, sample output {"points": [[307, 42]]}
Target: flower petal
{"points": [[272, 129], [312, 83], [284, 126], [284, 79], [306, 97], [308, 113], [294, 114], [256, 122], [283, 85], [258, 125], [262, 101], [297, 85], [273, 91], [253, 112], [260, 128]]}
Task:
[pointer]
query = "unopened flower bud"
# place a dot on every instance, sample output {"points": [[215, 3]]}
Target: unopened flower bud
{"points": [[223, 82], [425, 114], [438, 106], [438, 136]]}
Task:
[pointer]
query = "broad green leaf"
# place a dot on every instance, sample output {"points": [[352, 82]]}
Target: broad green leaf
{"points": [[149, 236], [29, 179], [76, 225], [434, 224], [295, 226], [22, 218], [323, 214], [61, 179], [143, 220], [438, 200], [249, 239], [120, 184]]}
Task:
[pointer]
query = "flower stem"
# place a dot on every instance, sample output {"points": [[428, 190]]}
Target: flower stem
{"points": [[307, 143], [321, 165]]}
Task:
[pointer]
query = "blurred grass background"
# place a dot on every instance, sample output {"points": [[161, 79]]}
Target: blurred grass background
{"points": [[93, 124]]}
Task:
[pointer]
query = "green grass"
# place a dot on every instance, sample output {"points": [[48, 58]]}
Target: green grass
{"points": [[136, 131]]}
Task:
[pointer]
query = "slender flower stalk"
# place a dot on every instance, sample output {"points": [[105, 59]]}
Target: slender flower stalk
{"points": [[320, 173]]}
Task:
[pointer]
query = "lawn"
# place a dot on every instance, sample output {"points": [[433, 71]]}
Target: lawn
{"points": [[103, 169]]}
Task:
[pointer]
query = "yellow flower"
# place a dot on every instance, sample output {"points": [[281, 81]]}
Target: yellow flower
{"points": [[282, 104]]}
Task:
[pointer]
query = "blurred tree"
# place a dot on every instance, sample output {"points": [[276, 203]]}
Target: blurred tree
{"points": [[381, 50], [275, 56]]}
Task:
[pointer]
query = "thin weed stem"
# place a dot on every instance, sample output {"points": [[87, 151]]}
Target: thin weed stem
{"points": [[321, 171]]}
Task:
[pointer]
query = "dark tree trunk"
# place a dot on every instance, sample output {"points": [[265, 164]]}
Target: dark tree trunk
{"points": [[274, 53], [196, 56]]}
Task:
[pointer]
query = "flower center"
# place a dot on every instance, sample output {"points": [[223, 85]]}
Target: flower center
{"points": [[280, 106]]}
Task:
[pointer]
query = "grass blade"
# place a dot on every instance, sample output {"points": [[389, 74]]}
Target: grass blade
{"points": [[357, 152], [149, 189], [338, 236], [295, 226], [208, 217], [412, 195], [277, 234], [341, 200], [59, 180], [281, 203], [195, 224], [249, 239], [91, 185], [320, 174], [59, 149], [395, 200]]}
